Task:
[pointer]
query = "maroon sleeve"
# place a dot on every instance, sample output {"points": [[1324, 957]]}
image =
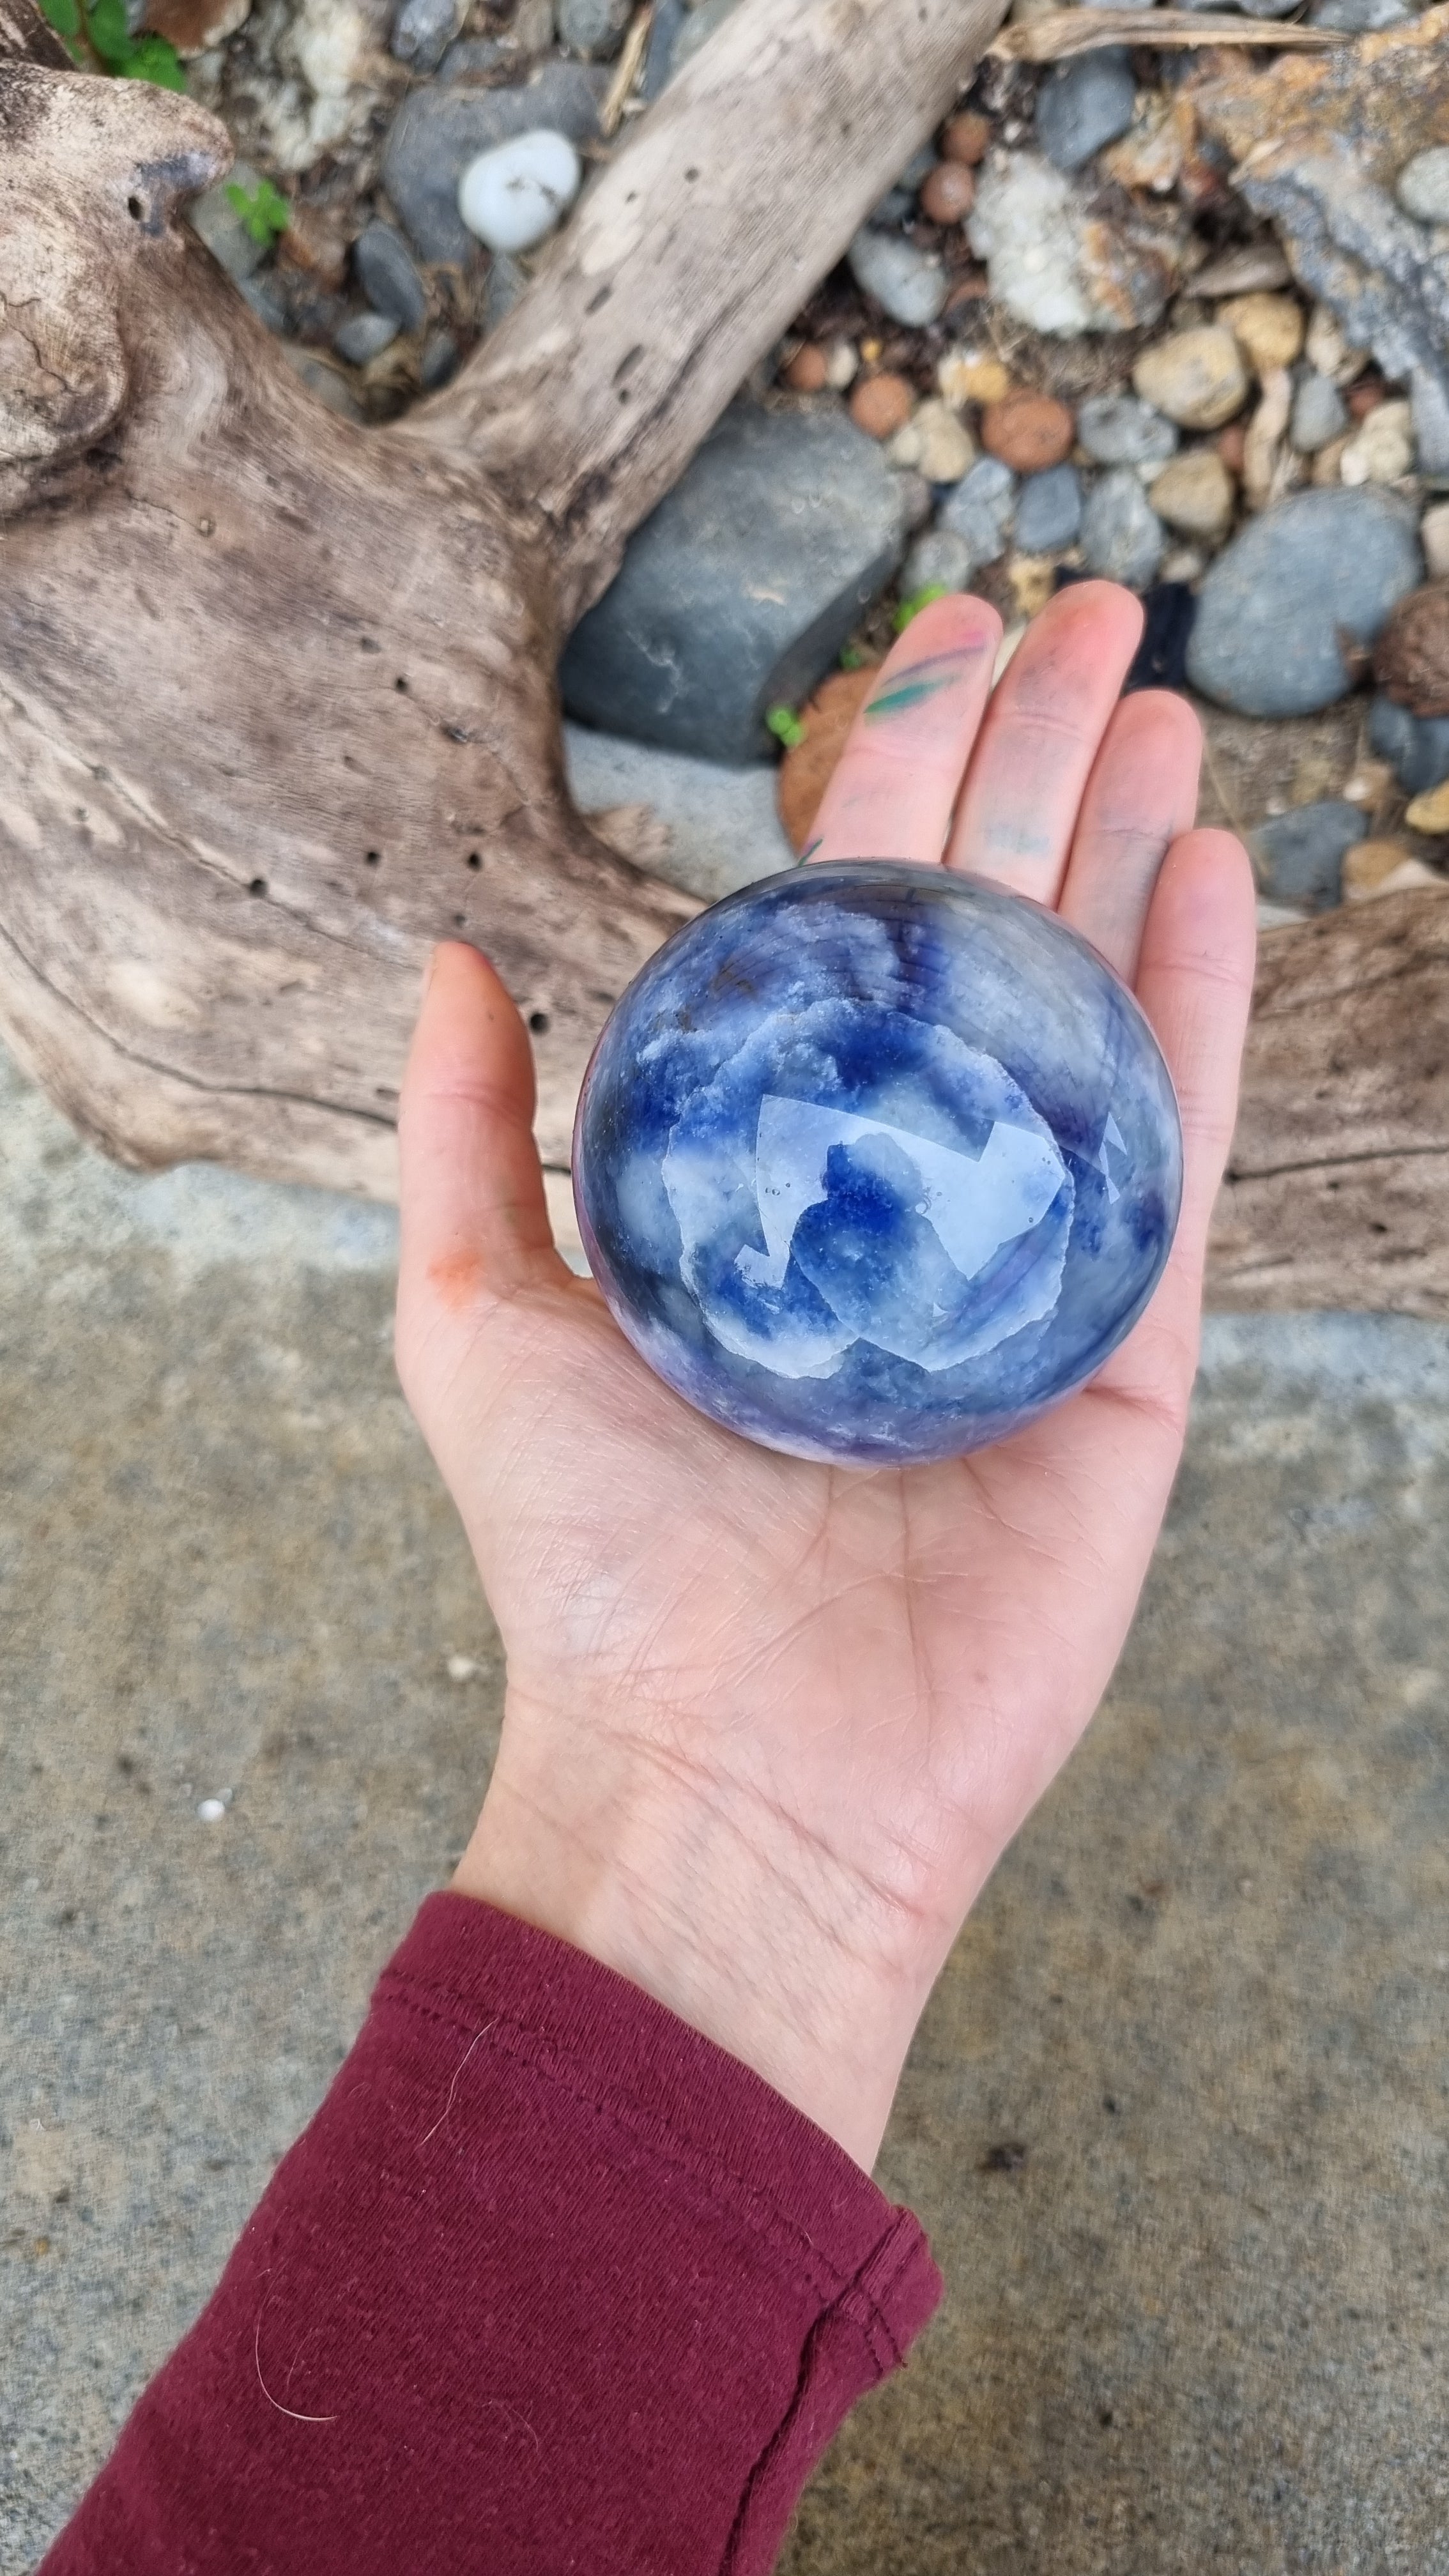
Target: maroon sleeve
{"points": [[550, 2284]]}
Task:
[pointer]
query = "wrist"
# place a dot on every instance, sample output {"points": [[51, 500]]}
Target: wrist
{"points": [[715, 1904]]}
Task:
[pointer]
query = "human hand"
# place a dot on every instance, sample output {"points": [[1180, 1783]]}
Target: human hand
{"points": [[770, 1724]]}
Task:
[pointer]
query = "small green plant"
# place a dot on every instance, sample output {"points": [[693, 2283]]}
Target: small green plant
{"points": [[852, 658], [913, 606], [263, 210], [786, 727], [97, 37]]}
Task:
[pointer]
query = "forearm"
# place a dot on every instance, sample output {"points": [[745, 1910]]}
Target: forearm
{"points": [[549, 2281]]}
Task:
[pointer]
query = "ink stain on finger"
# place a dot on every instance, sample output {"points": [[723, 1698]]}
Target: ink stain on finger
{"points": [[919, 681]]}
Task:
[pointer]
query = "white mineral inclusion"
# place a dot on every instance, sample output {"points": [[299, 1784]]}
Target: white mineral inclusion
{"points": [[514, 195]]}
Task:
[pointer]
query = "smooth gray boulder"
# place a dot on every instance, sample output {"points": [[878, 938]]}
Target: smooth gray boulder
{"points": [[1083, 104], [437, 131], [738, 592], [721, 826], [1320, 571]]}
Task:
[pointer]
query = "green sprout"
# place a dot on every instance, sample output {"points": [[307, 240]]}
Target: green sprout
{"points": [[852, 658], [913, 606], [97, 37], [263, 209], [786, 727]]}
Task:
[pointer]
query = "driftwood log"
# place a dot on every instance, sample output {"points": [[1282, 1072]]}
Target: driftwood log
{"points": [[277, 692]]}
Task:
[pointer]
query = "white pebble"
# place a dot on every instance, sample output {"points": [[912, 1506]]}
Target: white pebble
{"points": [[211, 1810], [461, 1668], [514, 195]]}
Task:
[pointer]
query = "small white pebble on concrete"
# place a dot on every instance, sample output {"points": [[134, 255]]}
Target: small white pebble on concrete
{"points": [[212, 1811], [514, 195], [461, 1668]]}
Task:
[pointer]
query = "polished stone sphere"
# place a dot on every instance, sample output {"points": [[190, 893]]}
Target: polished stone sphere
{"points": [[874, 1162]]}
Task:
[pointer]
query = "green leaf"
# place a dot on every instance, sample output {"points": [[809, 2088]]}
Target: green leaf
{"points": [[64, 16], [152, 59], [913, 606], [263, 209], [110, 36], [786, 727], [851, 658]]}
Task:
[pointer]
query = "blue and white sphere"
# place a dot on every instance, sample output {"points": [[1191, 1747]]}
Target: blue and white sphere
{"points": [[873, 1163]]}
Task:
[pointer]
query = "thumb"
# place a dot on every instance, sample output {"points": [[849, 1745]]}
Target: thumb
{"points": [[474, 1217]]}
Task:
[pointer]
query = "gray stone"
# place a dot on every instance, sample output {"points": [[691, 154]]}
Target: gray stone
{"points": [[215, 218], [737, 594], [422, 32], [940, 559], [918, 169], [267, 301], [894, 207], [1417, 746], [438, 130], [474, 59], [720, 828], [232, 1569], [981, 509], [1422, 186], [383, 268], [365, 336], [911, 284], [699, 25], [1359, 17], [1119, 429], [439, 362], [1298, 857], [1376, 268], [1049, 511], [1319, 414], [1083, 104], [665, 28], [507, 281], [1122, 536], [1276, 609], [594, 27]]}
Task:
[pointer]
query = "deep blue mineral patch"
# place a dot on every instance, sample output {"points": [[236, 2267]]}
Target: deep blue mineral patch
{"points": [[874, 1162]]}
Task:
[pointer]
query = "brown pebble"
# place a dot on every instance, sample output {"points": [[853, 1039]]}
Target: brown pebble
{"points": [[1411, 657], [1028, 432], [966, 138], [808, 371], [949, 193], [1366, 397], [806, 772], [969, 290], [1231, 443], [881, 405]]}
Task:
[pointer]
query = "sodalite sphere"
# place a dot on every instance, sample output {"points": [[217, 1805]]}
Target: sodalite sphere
{"points": [[874, 1163]]}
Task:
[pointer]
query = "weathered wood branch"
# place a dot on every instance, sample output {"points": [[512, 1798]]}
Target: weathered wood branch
{"points": [[1338, 1186], [277, 692]]}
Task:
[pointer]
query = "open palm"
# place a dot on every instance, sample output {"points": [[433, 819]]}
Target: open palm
{"points": [[769, 1723]]}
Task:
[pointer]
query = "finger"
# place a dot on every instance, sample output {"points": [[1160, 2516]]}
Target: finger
{"points": [[1195, 983], [474, 1218], [1142, 794], [1019, 807], [896, 782]]}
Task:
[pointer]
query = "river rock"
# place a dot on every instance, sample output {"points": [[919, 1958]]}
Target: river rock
{"points": [[698, 27], [1254, 268], [1298, 857], [422, 31], [215, 218], [1057, 262], [1411, 657], [383, 268], [1269, 327], [1382, 447], [1416, 747], [364, 337], [940, 559], [936, 441], [1029, 432], [740, 589], [1197, 377], [1434, 538], [594, 28], [1422, 186], [1049, 511], [1320, 570], [1196, 494], [1319, 414], [911, 284], [517, 194], [715, 829], [1083, 104], [981, 509], [1359, 17], [438, 131], [1118, 429], [1122, 538]]}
